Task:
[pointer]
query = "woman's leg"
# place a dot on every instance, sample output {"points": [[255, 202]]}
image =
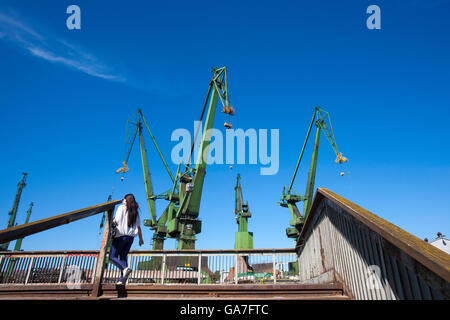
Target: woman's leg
{"points": [[116, 249], [127, 243]]}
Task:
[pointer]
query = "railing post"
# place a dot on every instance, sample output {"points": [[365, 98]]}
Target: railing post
{"points": [[199, 268], [29, 270], [62, 267], [129, 265], [96, 288], [2, 260], [274, 269], [163, 268], [94, 269], [236, 269]]}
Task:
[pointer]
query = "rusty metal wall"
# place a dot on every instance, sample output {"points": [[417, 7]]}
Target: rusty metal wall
{"points": [[337, 247]]}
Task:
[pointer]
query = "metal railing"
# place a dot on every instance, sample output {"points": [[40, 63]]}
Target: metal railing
{"points": [[210, 267], [164, 267], [266, 266], [47, 267], [374, 259]]}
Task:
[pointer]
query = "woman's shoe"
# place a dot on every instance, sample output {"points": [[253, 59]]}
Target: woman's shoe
{"points": [[126, 273]]}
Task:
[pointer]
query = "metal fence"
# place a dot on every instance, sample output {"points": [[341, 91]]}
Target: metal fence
{"points": [[47, 268], [266, 266], [208, 267]]}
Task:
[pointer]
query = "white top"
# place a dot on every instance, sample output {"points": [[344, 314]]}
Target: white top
{"points": [[121, 219]]}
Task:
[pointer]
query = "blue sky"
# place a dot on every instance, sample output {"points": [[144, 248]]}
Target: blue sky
{"points": [[65, 96]]}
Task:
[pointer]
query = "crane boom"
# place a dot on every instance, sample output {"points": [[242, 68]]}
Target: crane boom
{"points": [[147, 179], [13, 212], [219, 91], [290, 199], [244, 239], [183, 222], [18, 245]]}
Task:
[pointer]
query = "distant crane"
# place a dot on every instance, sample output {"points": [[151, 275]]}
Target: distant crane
{"points": [[13, 212], [290, 199], [244, 239], [102, 222], [18, 245]]}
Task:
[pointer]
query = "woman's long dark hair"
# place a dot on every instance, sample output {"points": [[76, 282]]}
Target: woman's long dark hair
{"points": [[132, 208]]}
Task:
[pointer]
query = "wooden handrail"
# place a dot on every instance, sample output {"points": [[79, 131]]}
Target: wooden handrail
{"points": [[55, 221]]}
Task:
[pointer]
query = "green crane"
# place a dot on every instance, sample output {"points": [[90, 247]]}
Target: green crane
{"points": [[289, 199], [244, 239], [180, 218], [157, 226], [13, 212], [183, 222], [102, 222], [18, 245]]}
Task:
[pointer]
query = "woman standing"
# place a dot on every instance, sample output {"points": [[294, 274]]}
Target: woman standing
{"points": [[128, 226]]}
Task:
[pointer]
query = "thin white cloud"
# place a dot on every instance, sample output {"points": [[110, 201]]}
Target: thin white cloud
{"points": [[53, 50], [16, 26], [83, 66]]}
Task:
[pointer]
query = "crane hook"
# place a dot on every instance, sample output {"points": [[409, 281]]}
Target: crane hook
{"points": [[123, 169]]}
